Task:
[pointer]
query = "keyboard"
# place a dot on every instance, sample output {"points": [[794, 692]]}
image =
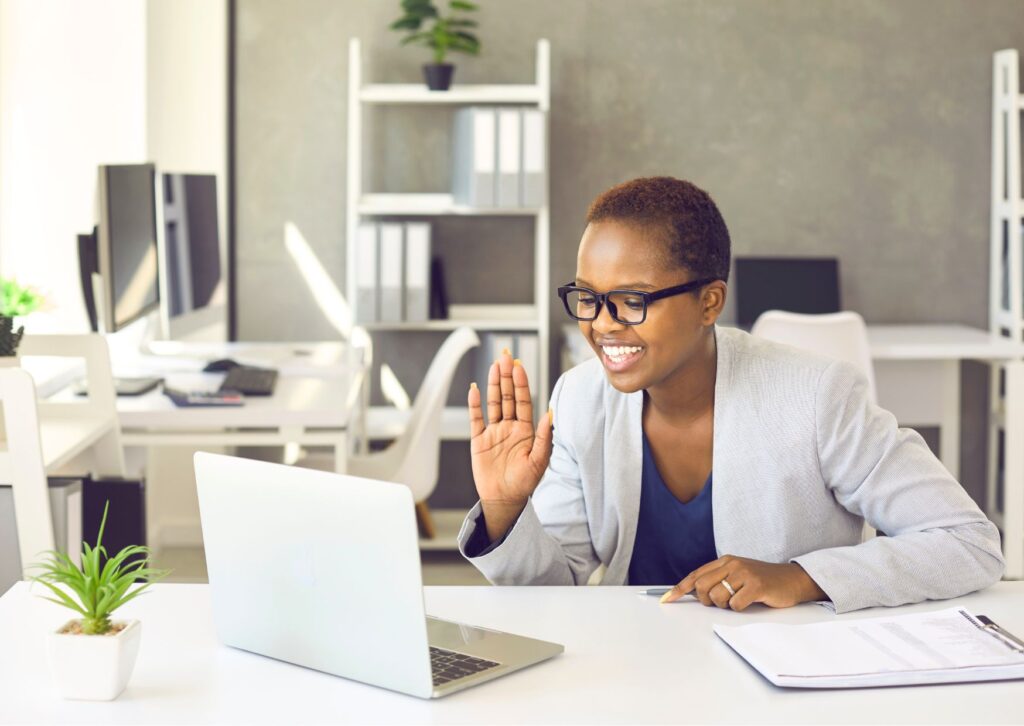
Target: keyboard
{"points": [[447, 665], [250, 381]]}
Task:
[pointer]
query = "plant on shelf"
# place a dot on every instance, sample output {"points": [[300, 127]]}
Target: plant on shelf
{"points": [[15, 301], [447, 34], [92, 657]]}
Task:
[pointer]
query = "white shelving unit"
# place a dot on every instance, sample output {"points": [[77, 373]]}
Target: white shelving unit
{"points": [[1006, 307], [362, 204]]}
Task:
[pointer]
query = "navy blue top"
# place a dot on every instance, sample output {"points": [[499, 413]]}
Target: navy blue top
{"points": [[672, 538]]}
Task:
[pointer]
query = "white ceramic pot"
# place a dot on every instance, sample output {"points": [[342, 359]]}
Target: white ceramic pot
{"points": [[94, 667]]}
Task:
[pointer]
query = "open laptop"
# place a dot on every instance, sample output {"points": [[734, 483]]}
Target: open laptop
{"points": [[323, 570]]}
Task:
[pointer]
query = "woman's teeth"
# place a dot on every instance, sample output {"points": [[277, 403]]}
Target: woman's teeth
{"points": [[618, 353]]}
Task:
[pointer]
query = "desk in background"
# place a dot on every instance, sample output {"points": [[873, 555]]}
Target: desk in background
{"points": [[627, 660]]}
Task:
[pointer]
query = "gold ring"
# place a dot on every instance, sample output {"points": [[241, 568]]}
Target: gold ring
{"points": [[727, 586]]}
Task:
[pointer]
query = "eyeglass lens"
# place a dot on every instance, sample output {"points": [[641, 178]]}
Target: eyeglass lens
{"points": [[624, 307]]}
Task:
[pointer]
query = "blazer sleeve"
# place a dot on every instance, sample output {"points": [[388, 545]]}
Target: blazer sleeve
{"points": [[550, 542], [939, 544]]}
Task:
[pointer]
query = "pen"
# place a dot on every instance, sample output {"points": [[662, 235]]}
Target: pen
{"points": [[659, 591], [1010, 640]]}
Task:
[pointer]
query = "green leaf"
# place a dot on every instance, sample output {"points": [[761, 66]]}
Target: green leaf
{"points": [[406, 23], [462, 24], [463, 5], [65, 600]]}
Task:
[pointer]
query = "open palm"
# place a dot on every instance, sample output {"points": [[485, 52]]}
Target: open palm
{"points": [[509, 456]]}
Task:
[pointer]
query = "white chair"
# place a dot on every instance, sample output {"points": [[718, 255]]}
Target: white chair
{"points": [[412, 459], [837, 335], [43, 437]]}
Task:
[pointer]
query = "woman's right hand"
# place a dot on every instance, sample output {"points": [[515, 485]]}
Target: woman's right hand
{"points": [[509, 457]]}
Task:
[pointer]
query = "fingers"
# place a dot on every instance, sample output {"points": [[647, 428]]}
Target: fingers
{"points": [[508, 395], [494, 393], [707, 587], [687, 583], [540, 454], [476, 414], [524, 404]]}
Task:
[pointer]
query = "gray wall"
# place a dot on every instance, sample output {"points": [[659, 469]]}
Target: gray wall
{"points": [[860, 130]]}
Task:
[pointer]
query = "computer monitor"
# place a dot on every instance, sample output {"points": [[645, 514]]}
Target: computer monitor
{"points": [[195, 289], [795, 284], [126, 253]]}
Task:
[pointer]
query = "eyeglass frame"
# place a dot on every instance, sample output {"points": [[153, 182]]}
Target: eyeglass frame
{"points": [[647, 297]]}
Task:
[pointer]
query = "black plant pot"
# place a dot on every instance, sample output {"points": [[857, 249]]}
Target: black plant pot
{"points": [[438, 75], [9, 337]]}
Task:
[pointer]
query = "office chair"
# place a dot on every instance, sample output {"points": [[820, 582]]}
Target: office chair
{"points": [[413, 458]]}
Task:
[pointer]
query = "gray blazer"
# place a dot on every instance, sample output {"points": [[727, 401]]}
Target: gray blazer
{"points": [[801, 459]]}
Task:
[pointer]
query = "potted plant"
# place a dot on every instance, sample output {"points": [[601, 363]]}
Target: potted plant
{"points": [[15, 301], [446, 34], [92, 657]]}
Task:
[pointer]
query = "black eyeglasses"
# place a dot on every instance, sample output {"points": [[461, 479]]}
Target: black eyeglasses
{"points": [[628, 307]]}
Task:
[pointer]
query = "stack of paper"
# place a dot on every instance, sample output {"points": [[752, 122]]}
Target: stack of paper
{"points": [[947, 646]]}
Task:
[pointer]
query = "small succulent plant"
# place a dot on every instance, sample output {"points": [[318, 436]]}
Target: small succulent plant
{"points": [[102, 583]]}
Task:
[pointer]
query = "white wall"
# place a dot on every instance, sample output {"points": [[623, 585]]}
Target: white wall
{"points": [[72, 96], [99, 82]]}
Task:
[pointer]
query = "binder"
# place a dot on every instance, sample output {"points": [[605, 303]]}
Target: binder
{"points": [[474, 155], [390, 298], [534, 147], [508, 158], [366, 273], [417, 272], [528, 351]]}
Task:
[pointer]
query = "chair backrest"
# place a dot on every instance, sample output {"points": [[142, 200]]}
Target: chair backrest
{"points": [[417, 451], [836, 335]]}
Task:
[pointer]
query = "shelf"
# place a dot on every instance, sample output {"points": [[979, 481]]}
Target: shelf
{"points": [[418, 93], [442, 325], [431, 204]]}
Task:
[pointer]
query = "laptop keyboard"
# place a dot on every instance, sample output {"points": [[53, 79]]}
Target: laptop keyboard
{"points": [[447, 665]]}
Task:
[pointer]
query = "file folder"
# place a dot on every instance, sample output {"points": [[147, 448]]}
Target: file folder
{"points": [[366, 273], [390, 298], [534, 148], [475, 157], [417, 272], [508, 158]]}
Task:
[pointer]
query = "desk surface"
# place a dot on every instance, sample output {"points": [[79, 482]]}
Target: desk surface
{"points": [[939, 342], [627, 660]]}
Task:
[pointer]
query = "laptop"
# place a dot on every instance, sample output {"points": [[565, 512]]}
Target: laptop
{"points": [[323, 570]]}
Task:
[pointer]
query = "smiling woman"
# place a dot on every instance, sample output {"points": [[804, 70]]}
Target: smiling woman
{"points": [[734, 468]]}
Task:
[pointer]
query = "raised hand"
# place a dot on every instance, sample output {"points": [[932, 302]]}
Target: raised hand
{"points": [[509, 456]]}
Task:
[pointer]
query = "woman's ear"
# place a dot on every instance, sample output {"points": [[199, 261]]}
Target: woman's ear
{"points": [[713, 301]]}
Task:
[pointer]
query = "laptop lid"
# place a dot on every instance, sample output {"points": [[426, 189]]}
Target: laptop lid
{"points": [[808, 285], [291, 575]]}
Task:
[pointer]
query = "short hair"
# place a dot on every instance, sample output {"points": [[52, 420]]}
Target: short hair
{"points": [[684, 214]]}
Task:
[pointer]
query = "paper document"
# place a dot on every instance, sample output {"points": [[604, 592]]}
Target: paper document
{"points": [[946, 646]]}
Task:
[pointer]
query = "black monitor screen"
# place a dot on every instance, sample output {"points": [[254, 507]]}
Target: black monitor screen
{"points": [[192, 241], [129, 217], [794, 284]]}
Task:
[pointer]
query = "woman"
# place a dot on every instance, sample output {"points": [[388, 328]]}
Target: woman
{"points": [[739, 469]]}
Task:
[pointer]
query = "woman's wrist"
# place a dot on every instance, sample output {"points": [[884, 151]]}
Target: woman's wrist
{"points": [[810, 590]]}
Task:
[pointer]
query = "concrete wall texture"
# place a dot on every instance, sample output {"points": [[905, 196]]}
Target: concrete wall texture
{"points": [[856, 130]]}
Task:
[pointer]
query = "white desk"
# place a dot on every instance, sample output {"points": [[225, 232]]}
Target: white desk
{"points": [[627, 660], [313, 403]]}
